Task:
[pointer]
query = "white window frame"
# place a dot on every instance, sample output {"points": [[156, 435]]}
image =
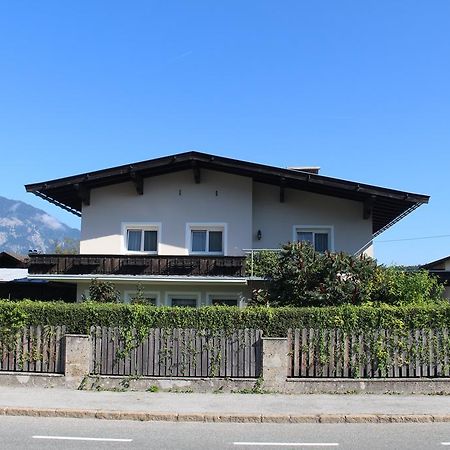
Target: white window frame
{"points": [[225, 295], [315, 229], [143, 226], [187, 295], [194, 226], [128, 296]]}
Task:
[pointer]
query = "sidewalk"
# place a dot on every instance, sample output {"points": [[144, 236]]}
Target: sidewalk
{"points": [[223, 407]]}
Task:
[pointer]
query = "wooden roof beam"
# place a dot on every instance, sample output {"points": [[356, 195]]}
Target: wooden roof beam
{"points": [[84, 193], [368, 207], [196, 170], [282, 190], [138, 182]]}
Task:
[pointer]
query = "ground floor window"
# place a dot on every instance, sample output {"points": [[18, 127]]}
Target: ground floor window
{"points": [[146, 298], [184, 300], [223, 299]]}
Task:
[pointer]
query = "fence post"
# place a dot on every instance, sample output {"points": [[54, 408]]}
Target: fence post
{"points": [[275, 362], [77, 358]]}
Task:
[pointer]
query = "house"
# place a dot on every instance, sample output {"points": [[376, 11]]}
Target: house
{"points": [[180, 226], [15, 284], [440, 268]]}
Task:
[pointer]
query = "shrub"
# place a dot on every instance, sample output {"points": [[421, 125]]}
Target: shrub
{"points": [[300, 276], [79, 317], [103, 292], [397, 286]]}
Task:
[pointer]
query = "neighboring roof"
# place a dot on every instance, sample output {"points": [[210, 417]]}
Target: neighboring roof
{"points": [[431, 264], [11, 260], [7, 275], [387, 206]]}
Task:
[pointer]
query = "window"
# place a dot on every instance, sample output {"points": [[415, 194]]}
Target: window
{"points": [[319, 238], [147, 298], [141, 238], [184, 302], [206, 239], [224, 301]]}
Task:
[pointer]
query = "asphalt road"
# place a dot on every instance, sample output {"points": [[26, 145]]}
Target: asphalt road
{"points": [[60, 433]]}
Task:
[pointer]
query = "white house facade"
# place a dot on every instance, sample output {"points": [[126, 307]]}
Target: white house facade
{"points": [[180, 226]]}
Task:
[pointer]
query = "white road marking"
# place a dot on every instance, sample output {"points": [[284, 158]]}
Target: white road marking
{"points": [[72, 438], [289, 444]]}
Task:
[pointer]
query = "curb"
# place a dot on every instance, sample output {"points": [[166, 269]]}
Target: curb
{"points": [[223, 418]]}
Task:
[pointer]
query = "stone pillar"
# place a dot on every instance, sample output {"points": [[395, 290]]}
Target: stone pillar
{"points": [[275, 362], [77, 359]]}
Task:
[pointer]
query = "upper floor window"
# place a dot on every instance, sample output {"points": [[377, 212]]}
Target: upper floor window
{"points": [[141, 238], [206, 239], [319, 238]]}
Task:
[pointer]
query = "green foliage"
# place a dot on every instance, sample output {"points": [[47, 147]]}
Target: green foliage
{"points": [[67, 246], [139, 298], [12, 320], [397, 286], [300, 276], [261, 264], [103, 292], [79, 317]]}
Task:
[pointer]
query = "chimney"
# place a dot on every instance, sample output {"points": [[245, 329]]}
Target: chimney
{"points": [[310, 169]]}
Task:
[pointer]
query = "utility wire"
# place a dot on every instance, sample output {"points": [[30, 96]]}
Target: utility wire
{"points": [[416, 238]]}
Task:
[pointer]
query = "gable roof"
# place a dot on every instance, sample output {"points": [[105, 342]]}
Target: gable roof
{"points": [[431, 264], [386, 206], [11, 260]]}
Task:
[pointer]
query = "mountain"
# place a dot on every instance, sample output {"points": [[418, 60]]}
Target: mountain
{"points": [[24, 228]]}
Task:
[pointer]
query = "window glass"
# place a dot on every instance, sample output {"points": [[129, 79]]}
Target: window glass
{"points": [[150, 241], [215, 241], [134, 240], [145, 300], [184, 302], [305, 236], [321, 242], [319, 239], [199, 241], [224, 302]]}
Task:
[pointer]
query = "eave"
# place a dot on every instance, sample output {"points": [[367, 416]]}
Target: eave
{"points": [[384, 206]]}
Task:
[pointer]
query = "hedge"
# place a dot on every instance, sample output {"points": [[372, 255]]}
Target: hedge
{"points": [[273, 321]]}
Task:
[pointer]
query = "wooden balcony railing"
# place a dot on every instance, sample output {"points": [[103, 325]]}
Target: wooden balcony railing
{"points": [[231, 266]]}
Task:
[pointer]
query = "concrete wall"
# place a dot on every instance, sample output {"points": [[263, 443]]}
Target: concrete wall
{"points": [[276, 220], [173, 200], [164, 290]]}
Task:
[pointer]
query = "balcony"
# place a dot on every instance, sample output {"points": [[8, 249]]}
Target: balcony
{"points": [[226, 266]]}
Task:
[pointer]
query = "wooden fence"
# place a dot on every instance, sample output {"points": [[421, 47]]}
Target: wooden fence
{"points": [[377, 354], [34, 349], [178, 353]]}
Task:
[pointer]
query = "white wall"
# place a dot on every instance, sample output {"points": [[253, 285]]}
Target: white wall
{"points": [[276, 219], [172, 200], [165, 290]]}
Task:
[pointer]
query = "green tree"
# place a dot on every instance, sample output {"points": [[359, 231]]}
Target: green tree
{"points": [[300, 276], [103, 292], [67, 246]]}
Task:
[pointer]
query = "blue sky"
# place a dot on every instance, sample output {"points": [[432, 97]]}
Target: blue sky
{"points": [[359, 88]]}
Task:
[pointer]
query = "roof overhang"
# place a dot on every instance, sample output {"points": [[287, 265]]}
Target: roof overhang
{"points": [[385, 206], [431, 265], [157, 280]]}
